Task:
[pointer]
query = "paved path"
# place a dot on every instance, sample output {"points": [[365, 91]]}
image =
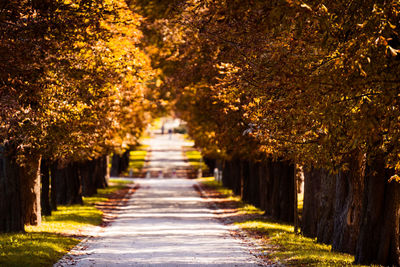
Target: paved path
{"points": [[165, 223]]}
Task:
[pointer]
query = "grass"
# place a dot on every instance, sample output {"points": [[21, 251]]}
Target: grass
{"points": [[43, 245], [195, 159], [137, 158], [281, 243]]}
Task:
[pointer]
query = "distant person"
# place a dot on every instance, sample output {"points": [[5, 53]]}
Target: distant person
{"points": [[170, 133], [162, 129]]}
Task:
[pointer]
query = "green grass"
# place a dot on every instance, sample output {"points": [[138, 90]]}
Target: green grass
{"points": [[288, 248], [43, 245], [137, 158], [294, 249], [195, 159]]}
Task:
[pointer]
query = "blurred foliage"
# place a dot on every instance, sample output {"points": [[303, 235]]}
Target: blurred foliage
{"points": [[309, 81], [75, 83]]}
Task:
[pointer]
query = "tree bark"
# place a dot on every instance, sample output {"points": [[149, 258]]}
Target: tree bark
{"points": [[349, 195], [379, 230], [326, 208], [53, 182], [115, 165], [11, 212], [244, 180], [263, 186], [211, 164], [101, 178], [87, 174], [45, 194], [280, 178], [254, 196], [120, 163], [319, 204], [295, 201], [310, 215], [68, 183], [30, 190]]}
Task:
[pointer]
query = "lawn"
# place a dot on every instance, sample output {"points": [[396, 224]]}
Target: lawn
{"points": [[43, 245], [137, 158], [195, 159]]}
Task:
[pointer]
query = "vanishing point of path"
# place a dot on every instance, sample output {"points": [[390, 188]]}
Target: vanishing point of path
{"points": [[164, 223]]}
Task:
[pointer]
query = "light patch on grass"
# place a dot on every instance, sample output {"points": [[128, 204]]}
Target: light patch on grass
{"points": [[33, 248], [137, 158], [116, 181], [210, 181], [293, 249], [244, 208], [195, 159], [43, 245]]}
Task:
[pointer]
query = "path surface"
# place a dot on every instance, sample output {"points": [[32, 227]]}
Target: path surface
{"points": [[165, 223]]}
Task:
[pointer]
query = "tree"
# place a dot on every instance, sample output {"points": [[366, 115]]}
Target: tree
{"points": [[76, 88]]}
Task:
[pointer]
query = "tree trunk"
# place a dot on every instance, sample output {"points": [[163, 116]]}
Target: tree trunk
{"points": [[349, 194], [310, 215], [120, 163], [68, 183], [226, 174], [211, 164], [280, 199], [115, 165], [53, 181], [11, 213], [86, 171], [30, 190], [263, 186], [319, 204], [244, 180], [254, 186], [326, 208], [45, 194], [295, 200], [235, 177], [101, 178], [379, 231]]}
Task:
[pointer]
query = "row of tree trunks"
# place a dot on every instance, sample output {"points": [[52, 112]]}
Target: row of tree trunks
{"points": [[119, 163], [267, 184], [93, 175], [23, 194], [67, 184], [357, 211]]}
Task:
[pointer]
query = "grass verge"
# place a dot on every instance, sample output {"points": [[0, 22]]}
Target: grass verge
{"points": [[280, 242], [137, 159], [195, 159], [43, 245]]}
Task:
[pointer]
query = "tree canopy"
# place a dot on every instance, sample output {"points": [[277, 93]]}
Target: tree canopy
{"points": [[75, 82]]}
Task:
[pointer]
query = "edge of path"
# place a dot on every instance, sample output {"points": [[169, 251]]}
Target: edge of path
{"points": [[221, 208], [110, 209]]}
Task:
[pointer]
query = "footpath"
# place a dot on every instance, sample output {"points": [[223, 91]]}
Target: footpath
{"points": [[164, 223]]}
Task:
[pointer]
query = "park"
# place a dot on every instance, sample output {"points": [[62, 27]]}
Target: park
{"points": [[199, 133]]}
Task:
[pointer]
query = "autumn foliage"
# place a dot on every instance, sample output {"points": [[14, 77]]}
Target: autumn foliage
{"points": [[74, 87], [268, 88], [309, 83]]}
